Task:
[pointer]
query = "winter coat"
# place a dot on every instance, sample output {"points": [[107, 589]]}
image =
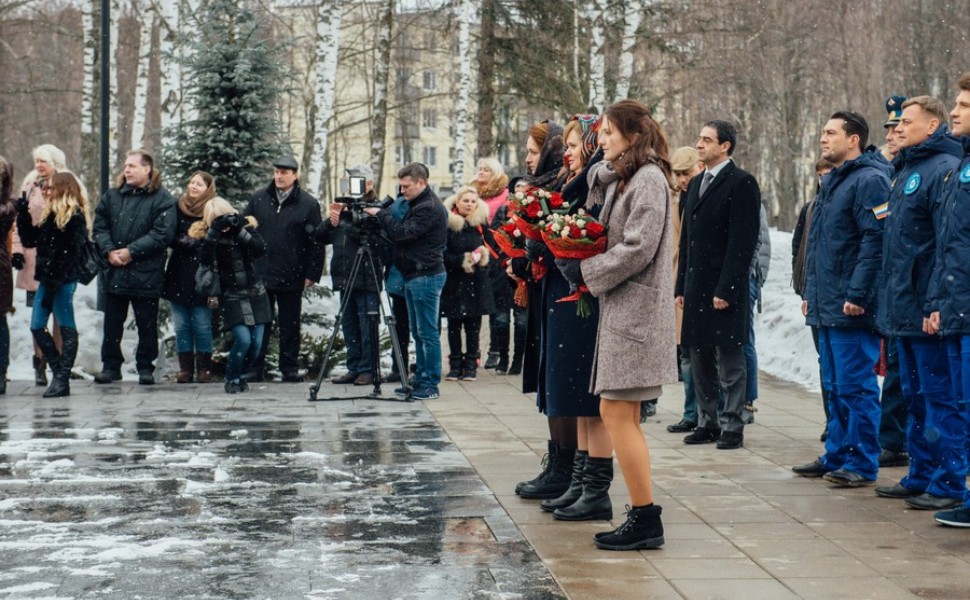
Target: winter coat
{"points": [[7, 222], [717, 242], [676, 223], [346, 239], [799, 248], [635, 341], [179, 284], [950, 287], [35, 202], [143, 220], [845, 242], [293, 254], [419, 240], [58, 250], [761, 261], [909, 241], [392, 275], [233, 254], [499, 281], [467, 292]]}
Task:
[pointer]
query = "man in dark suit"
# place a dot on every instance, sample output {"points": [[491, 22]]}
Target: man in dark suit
{"points": [[718, 237]]}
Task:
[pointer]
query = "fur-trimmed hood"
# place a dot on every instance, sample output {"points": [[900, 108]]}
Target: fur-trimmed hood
{"points": [[198, 229], [493, 188], [478, 218]]}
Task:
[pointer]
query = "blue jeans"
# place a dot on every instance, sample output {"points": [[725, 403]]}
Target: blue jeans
{"points": [[193, 328], [63, 307], [848, 357], [937, 434], [750, 353], [246, 343], [356, 328], [690, 402], [423, 296]]}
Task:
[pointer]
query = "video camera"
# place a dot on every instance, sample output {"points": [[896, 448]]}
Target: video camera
{"points": [[353, 191]]}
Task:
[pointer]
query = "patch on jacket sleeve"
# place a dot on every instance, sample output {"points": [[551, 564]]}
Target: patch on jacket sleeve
{"points": [[881, 211]]}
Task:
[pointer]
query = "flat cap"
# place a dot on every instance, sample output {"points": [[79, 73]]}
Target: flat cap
{"points": [[286, 162]]}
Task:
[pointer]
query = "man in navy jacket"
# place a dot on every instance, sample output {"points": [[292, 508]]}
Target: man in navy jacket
{"points": [[927, 155], [844, 258], [950, 297]]}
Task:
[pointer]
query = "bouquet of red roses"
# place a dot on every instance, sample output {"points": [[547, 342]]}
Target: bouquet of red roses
{"points": [[532, 208], [511, 241], [578, 236]]}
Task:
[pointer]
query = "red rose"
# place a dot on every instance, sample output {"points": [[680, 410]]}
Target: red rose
{"points": [[576, 233], [509, 227], [594, 230], [555, 200], [532, 210]]}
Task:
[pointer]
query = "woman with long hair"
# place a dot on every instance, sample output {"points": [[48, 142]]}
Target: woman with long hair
{"points": [[544, 156], [230, 245], [635, 341], [59, 237], [48, 160], [191, 314], [8, 215], [466, 296], [566, 351]]}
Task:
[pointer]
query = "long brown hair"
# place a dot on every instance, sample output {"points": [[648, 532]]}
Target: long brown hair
{"points": [[195, 206], [647, 141]]}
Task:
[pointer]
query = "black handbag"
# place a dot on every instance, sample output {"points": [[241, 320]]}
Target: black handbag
{"points": [[92, 263], [207, 281]]}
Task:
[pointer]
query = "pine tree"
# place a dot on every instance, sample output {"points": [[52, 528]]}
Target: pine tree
{"points": [[233, 79]]}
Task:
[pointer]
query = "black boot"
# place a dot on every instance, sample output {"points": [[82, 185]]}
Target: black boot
{"points": [[40, 370], [61, 384], [470, 367], [575, 489], [491, 361], [642, 529], [455, 367], [556, 481], [546, 465], [595, 503], [46, 344], [518, 352]]}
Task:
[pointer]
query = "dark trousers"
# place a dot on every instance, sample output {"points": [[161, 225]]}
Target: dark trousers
{"points": [[472, 327], [362, 308], [895, 407], [717, 371], [146, 321], [287, 308], [399, 307]]}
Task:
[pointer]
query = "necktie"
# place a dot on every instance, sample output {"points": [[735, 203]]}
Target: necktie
{"points": [[708, 178]]}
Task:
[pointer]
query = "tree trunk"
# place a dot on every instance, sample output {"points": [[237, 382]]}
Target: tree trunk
{"points": [[145, 22], [466, 15], [382, 68], [328, 46], [88, 83], [113, 133], [633, 13], [486, 80], [169, 16], [597, 64]]}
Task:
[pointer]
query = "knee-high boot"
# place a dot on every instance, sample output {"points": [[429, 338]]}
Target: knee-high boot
{"points": [[595, 502], [47, 347], [61, 383]]}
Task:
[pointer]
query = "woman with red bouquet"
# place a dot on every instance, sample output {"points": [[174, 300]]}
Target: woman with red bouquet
{"points": [[635, 343]]}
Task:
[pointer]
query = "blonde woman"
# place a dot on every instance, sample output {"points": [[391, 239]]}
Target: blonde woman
{"points": [[59, 239], [48, 160], [230, 245]]}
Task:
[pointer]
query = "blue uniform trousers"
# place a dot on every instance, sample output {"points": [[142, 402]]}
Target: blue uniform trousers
{"points": [[955, 430]]}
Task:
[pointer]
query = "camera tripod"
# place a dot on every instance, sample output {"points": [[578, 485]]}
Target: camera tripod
{"points": [[366, 253]]}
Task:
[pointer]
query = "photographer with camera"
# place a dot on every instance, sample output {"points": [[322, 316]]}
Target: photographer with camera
{"points": [[419, 242], [293, 261], [362, 299]]}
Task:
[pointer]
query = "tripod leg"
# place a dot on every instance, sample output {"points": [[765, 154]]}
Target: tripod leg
{"points": [[392, 330], [373, 323]]}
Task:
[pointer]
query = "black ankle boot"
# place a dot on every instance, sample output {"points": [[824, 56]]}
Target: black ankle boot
{"points": [[594, 504], [61, 382], [556, 481], [642, 529], [455, 370], [491, 361], [575, 489], [546, 465]]}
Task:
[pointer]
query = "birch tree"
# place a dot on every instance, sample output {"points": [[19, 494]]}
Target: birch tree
{"points": [[382, 69], [169, 13], [145, 24], [466, 15], [329, 16], [88, 37], [115, 83], [632, 15], [597, 63]]}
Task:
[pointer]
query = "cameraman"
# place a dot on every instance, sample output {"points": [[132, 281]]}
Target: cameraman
{"points": [[362, 299], [419, 241]]}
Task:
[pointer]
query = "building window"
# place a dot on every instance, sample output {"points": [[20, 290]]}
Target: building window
{"points": [[399, 155], [430, 118], [431, 156], [430, 82]]}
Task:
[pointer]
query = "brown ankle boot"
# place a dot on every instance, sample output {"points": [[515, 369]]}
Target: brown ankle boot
{"points": [[186, 367], [203, 367]]}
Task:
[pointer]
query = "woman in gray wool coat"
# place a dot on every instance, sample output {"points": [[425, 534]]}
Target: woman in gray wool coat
{"points": [[633, 279]]}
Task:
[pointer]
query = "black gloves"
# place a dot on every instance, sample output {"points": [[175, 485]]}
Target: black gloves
{"points": [[533, 249], [18, 261], [570, 269], [23, 204]]}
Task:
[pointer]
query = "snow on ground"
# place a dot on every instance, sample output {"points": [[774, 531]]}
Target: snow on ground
{"points": [[784, 342]]}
